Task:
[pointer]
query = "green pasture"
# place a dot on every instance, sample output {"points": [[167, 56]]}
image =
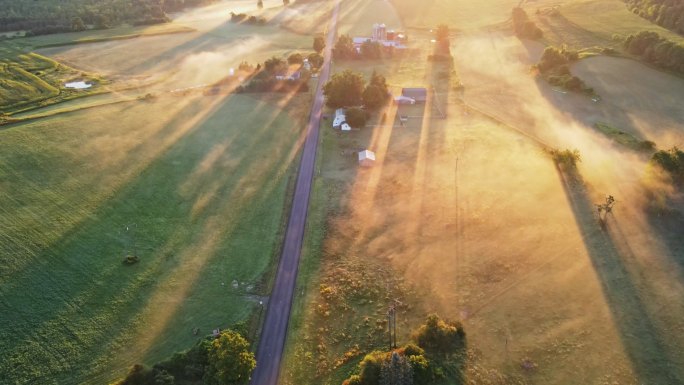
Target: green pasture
{"points": [[196, 187]]}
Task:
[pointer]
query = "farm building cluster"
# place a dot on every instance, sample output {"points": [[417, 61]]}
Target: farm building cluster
{"points": [[388, 38]]}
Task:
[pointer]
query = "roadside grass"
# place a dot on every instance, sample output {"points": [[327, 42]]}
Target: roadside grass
{"points": [[179, 182]]}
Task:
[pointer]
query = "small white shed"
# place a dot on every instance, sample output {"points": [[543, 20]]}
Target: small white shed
{"points": [[366, 158], [340, 118]]}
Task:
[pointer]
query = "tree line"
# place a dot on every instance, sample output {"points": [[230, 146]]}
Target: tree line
{"points": [[222, 360], [657, 50], [554, 67], [45, 17], [666, 13]]}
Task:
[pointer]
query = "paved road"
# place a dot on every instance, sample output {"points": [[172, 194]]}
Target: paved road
{"points": [[272, 343]]}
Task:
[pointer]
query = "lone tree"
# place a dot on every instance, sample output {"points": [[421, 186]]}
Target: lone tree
{"points": [[439, 336], [344, 89], [260, 4], [605, 209], [376, 92], [286, 2], [318, 44], [230, 361]]}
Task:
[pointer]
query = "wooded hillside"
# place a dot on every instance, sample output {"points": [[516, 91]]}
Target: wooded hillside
{"points": [[666, 13], [52, 16]]}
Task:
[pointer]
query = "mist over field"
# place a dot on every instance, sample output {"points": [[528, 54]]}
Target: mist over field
{"points": [[195, 205]]}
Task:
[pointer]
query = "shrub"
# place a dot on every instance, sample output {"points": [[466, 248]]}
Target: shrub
{"points": [[131, 260], [422, 375], [566, 157], [672, 162], [370, 368], [439, 336], [413, 350]]}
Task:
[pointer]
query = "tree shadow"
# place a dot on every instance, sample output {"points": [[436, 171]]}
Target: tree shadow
{"points": [[644, 343]]}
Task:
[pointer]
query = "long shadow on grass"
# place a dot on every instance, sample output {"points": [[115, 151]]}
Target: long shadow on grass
{"points": [[643, 342], [71, 329]]}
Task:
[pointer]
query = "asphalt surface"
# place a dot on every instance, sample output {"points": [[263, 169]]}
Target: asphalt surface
{"points": [[274, 332]]}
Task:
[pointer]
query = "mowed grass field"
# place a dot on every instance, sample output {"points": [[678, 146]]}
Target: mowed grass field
{"points": [[587, 23], [195, 186], [183, 60]]}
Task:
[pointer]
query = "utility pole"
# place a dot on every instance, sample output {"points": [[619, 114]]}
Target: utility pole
{"points": [[392, 326]]}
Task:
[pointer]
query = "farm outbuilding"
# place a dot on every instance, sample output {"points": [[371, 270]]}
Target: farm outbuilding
{"points": [[419, 95], [340, 118], [366, 158], [401, 99]]}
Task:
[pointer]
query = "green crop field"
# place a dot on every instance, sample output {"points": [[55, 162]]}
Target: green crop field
{"points": [[195, 186]]}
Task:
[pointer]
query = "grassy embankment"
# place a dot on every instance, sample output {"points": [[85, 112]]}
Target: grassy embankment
{"points": [[178, 182]]}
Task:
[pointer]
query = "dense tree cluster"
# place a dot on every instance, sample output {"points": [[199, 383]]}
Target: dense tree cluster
{"points": [[344, 89], [222, 360], [413, 364], [672, 162], [666, 13], [523, 26], [655, 49], [267, 78], [347, 89], [344, 49], [554, 66], [554, 57], [43, 17]]}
